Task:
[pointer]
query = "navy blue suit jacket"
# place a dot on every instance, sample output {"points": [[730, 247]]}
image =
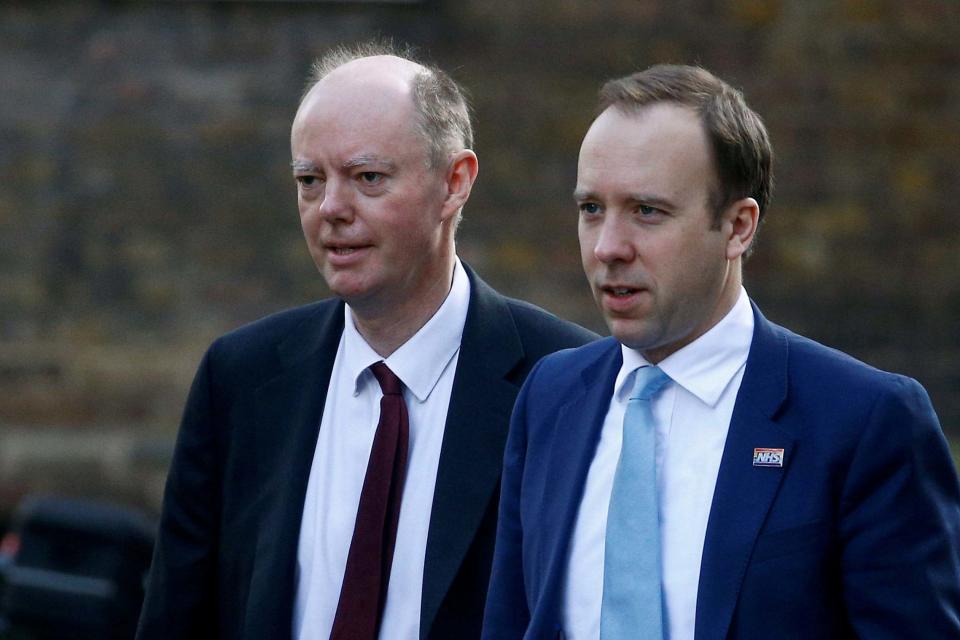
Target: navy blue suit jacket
{"points": [[856, 535], [225, 560]]}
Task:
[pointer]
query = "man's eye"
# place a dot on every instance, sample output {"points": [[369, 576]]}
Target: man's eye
{"points": [[307, 181], [589, 208], [371, 177], [647, 210]]}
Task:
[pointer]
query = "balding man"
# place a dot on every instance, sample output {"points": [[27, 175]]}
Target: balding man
{"points": [[337, 466]]}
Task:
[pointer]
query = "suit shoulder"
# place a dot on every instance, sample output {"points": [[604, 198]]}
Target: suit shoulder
{"points": [[257, 340], [808, 353], [543, 332], [582, 356], [570, 363], [835, 373]]}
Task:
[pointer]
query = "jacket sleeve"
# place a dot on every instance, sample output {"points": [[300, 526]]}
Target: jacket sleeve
{"points": [[900, 523], [180, 600], [507, 613]]}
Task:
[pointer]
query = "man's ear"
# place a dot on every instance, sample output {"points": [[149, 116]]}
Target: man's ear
{"points": [[739, 224], [459, 179]]}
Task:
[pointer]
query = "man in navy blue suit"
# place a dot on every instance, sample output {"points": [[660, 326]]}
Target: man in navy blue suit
{"points": [[704, 473], [275, 522]]}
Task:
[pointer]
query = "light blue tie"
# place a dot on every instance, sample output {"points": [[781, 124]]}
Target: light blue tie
{"points": [[631, 606]]}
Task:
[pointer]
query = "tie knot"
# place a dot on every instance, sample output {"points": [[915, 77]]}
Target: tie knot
{"points": [[389, 382], [648, 382]]}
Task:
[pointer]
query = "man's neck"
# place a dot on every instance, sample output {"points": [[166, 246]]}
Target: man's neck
{"points": [[726, 299], [388, 331]]}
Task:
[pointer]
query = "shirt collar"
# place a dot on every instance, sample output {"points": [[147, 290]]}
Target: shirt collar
{"points": [[420, 361], [707, 365]]}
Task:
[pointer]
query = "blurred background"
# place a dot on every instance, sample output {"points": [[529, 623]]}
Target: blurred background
{"points": [[147, 206]]}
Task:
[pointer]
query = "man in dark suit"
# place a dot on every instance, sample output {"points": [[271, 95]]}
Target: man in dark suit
{"points": [[704, 473], [297, 508]]}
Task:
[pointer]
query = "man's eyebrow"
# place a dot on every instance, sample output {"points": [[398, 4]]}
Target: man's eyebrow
{"points": [[303, 165], [652, 200], [648, 199], [368, 159]]}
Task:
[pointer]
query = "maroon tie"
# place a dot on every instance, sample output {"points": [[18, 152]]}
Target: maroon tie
{"points": [[365, 581]]}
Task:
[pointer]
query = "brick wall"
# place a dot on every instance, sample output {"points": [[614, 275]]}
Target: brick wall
{"points": [[146, 204]]}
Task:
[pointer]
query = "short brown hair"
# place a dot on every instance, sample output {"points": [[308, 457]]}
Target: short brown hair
{"points": [[743, 156], [443, 112]]}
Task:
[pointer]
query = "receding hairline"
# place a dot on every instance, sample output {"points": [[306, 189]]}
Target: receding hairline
{"points": [[739, 142], [344, 54], [393, 65], [441, 106], [383, 77], [378, 81]]}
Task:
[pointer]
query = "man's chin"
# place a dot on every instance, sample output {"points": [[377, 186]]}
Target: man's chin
{"points": [[352, 291], [630, 332], [635, 334]]}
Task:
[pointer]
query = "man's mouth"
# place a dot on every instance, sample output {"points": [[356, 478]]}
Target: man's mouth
{"points": [[345, 255], [619, 292], [344, 249]]}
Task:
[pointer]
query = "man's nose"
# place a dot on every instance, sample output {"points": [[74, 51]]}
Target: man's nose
{"points": [[337, 205], [614, 241]]}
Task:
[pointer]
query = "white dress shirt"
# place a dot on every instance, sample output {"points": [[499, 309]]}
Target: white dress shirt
{"points": [[426, 364], [692, 416]]}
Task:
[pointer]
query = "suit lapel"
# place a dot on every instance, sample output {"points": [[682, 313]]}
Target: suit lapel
{"points": [[288, 411], [472, 453], [573, 445], [743, 493]]}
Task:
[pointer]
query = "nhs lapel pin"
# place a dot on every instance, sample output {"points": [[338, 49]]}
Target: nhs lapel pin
{"points": [[763, 457]]}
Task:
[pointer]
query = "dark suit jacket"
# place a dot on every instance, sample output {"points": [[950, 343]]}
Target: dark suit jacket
{"points": [[224, 564], [856, 535]]}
